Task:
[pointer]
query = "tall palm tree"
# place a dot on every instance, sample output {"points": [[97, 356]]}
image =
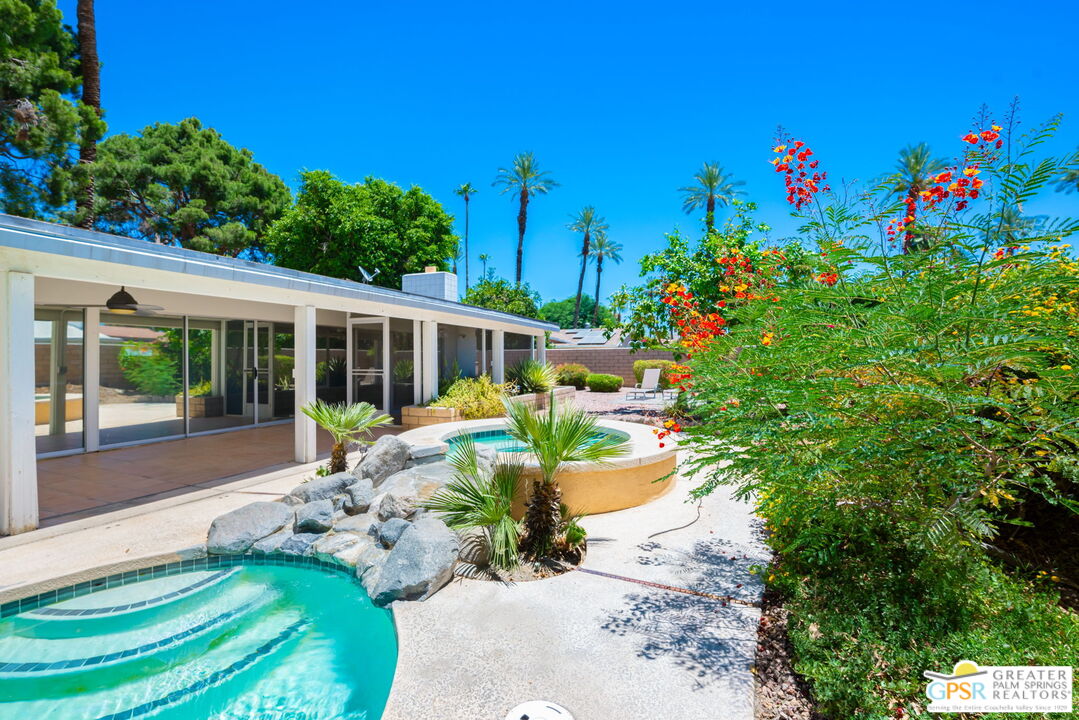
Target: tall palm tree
{"points": [[347, 423], [554, 438], [91, 97], [587, 222], [603, 249], [913, 173], [712, 186], [526, 179], [484, 257], [466, 191]]}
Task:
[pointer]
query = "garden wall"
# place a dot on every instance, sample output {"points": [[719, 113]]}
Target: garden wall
{"points": [[612, 361]]}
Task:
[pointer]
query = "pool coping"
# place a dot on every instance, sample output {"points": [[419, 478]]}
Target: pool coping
{"points": [[644, 447]]}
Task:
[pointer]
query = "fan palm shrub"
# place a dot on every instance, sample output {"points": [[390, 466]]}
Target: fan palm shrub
{"points": [[475, 500], [555, 439], [347, 423], [532, 376]]}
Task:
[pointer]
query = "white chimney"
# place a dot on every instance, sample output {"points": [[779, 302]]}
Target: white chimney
{"points": [[431, 283]]}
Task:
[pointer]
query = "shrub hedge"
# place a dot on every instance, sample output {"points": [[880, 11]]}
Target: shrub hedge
{"points": [[598, 382], [573, 374], [476, 398]]}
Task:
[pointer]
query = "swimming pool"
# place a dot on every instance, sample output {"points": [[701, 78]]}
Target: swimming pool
{"points": [[227, 643], [502, 441]]}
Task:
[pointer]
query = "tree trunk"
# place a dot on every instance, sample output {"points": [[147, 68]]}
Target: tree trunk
{"points": [[542, 517], [466, 242], [599, 273], [710, 213], [580, 280], [522, 220], [338, 458], [908, 236], [91, 96]]}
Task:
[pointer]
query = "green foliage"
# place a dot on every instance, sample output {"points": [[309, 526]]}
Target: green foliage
{"points": [[639, 366], [501, 294], [185, 185], [346, 423], [476, 398], [532, 376], [560, 312], [474, 500], [600, 382], [150, 370], [202, 389], [404, 370], [332, 228], [41, 119], [449, 376], [573, 374]]}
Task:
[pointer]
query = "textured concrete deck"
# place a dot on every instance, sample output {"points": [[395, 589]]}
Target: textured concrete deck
{"points": [[604, 648]]}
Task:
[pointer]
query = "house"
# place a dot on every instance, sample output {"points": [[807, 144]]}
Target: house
{"points": [[107, 342]]}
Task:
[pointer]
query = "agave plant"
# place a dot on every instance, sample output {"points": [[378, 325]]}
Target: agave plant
{"points": [[347, 423], [554, 438], [532, 376], [473, 499]]}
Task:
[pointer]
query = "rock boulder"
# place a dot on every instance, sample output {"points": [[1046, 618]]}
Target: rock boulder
{"points": [[237, 531], [420, 563], [358, 496], [315, 517], [322, 488], [387, 456]]}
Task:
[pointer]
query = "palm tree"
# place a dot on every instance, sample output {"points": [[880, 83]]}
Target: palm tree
{"points": [[526, 179], [91, 97], [554, 439], [347, 423], [466, 191], [914, 172], [587, 222], [484, 257], [712, 186], [603, 249]]}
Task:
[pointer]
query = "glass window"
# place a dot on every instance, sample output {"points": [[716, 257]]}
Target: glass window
{"points": [[58, 378]]}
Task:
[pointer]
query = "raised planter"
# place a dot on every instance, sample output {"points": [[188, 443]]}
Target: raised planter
{"points": [[202, 406], [414, 416]]}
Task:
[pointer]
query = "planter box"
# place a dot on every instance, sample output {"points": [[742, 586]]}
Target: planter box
{"points": [[204, 406], [414, 416], [538, 401]]}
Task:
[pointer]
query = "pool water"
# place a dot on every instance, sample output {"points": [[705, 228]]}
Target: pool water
{"points": [[236, 643], [501, 441]]}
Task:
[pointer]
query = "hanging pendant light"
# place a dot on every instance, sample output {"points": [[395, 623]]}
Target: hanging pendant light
{"points": [[122, 302]]}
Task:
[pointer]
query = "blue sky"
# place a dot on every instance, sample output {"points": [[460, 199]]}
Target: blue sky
{"points": [[621, 102]]}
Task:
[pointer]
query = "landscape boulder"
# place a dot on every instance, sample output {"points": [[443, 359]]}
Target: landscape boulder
{"points": [[323, 488], [390, 531], [394, 506], [358, 496], [271, 543], [315, 517], [420, 563], [299, 544], [237, 531], [387, 456]]}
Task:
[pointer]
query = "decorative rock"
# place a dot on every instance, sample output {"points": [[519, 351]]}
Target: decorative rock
{"points": [[391, 530], [353, 553], [328, 546], [421, 481], [290, 500], [270, 543], [366, 524], [299, 544], [387, 456], [369, 560], [237, 531], [316, 517], [358, 496], [392, 506], [420, 563], [322, 488], [485, 459], [421, 451]]}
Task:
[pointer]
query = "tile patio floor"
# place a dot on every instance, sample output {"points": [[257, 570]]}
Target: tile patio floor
{"points": [[81, 486]]}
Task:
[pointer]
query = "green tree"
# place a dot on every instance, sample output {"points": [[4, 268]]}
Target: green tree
{"points": [[185, 185], [501, 294], [466, 191], [526, 179], [603, 249], [913, 173], [484, 258], [347, 424], [334, 227], [712, 186], [561, 312], [41, 120], [585, 222], [91, 98]]}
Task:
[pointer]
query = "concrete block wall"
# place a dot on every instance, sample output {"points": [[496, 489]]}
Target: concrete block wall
{"points": [[610, 361]]}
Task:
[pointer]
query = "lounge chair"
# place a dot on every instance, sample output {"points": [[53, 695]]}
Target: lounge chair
{"points": [[649, 385]]}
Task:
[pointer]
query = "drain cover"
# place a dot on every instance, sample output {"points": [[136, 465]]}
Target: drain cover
{"points": [[539, 710]]}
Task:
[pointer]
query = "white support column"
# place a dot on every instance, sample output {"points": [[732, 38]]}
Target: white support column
{"points": [[429, 366], [541, 348], [417, 362], [498, 356], [484, 367], [303, 374], [91, 377], [18, 461]]}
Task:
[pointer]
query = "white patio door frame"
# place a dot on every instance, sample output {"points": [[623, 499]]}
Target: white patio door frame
{"points": [[258, 406], [387, 388]]}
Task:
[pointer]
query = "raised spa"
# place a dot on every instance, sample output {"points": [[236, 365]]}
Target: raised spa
{"points": [[227, 641]]}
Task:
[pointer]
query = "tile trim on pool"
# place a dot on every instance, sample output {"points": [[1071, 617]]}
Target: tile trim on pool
{"points": [[83, 612], [210, 562]]}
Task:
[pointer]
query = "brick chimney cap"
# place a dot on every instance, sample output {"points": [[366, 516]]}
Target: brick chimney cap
{"points": [[430, 268]]}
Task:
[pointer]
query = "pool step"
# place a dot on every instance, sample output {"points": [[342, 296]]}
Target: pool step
{"points": [[121, 608]]}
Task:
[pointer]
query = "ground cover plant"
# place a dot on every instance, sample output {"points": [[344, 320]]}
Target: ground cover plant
{"points": [[901, 404]]}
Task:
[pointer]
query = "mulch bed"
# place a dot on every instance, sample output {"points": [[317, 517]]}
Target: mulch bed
{"points": [[782, 694]]}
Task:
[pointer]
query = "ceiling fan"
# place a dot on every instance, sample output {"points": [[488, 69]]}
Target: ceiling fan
{"points": [[122, 303]]}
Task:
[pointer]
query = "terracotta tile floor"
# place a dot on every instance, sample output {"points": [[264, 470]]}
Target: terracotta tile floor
{"points": [[80, 486]]}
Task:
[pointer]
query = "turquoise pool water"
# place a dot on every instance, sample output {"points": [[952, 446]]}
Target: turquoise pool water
{"points": [[235, 643], [501, 441]]}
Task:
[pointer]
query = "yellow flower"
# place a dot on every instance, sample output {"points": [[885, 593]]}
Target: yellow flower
{"points": [[1065, 367]]}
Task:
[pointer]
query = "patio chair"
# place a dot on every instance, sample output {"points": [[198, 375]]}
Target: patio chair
{"points": [[649, 385]]}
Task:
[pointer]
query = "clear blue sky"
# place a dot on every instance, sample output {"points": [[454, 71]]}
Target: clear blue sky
{"points": [[621, 102]]}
